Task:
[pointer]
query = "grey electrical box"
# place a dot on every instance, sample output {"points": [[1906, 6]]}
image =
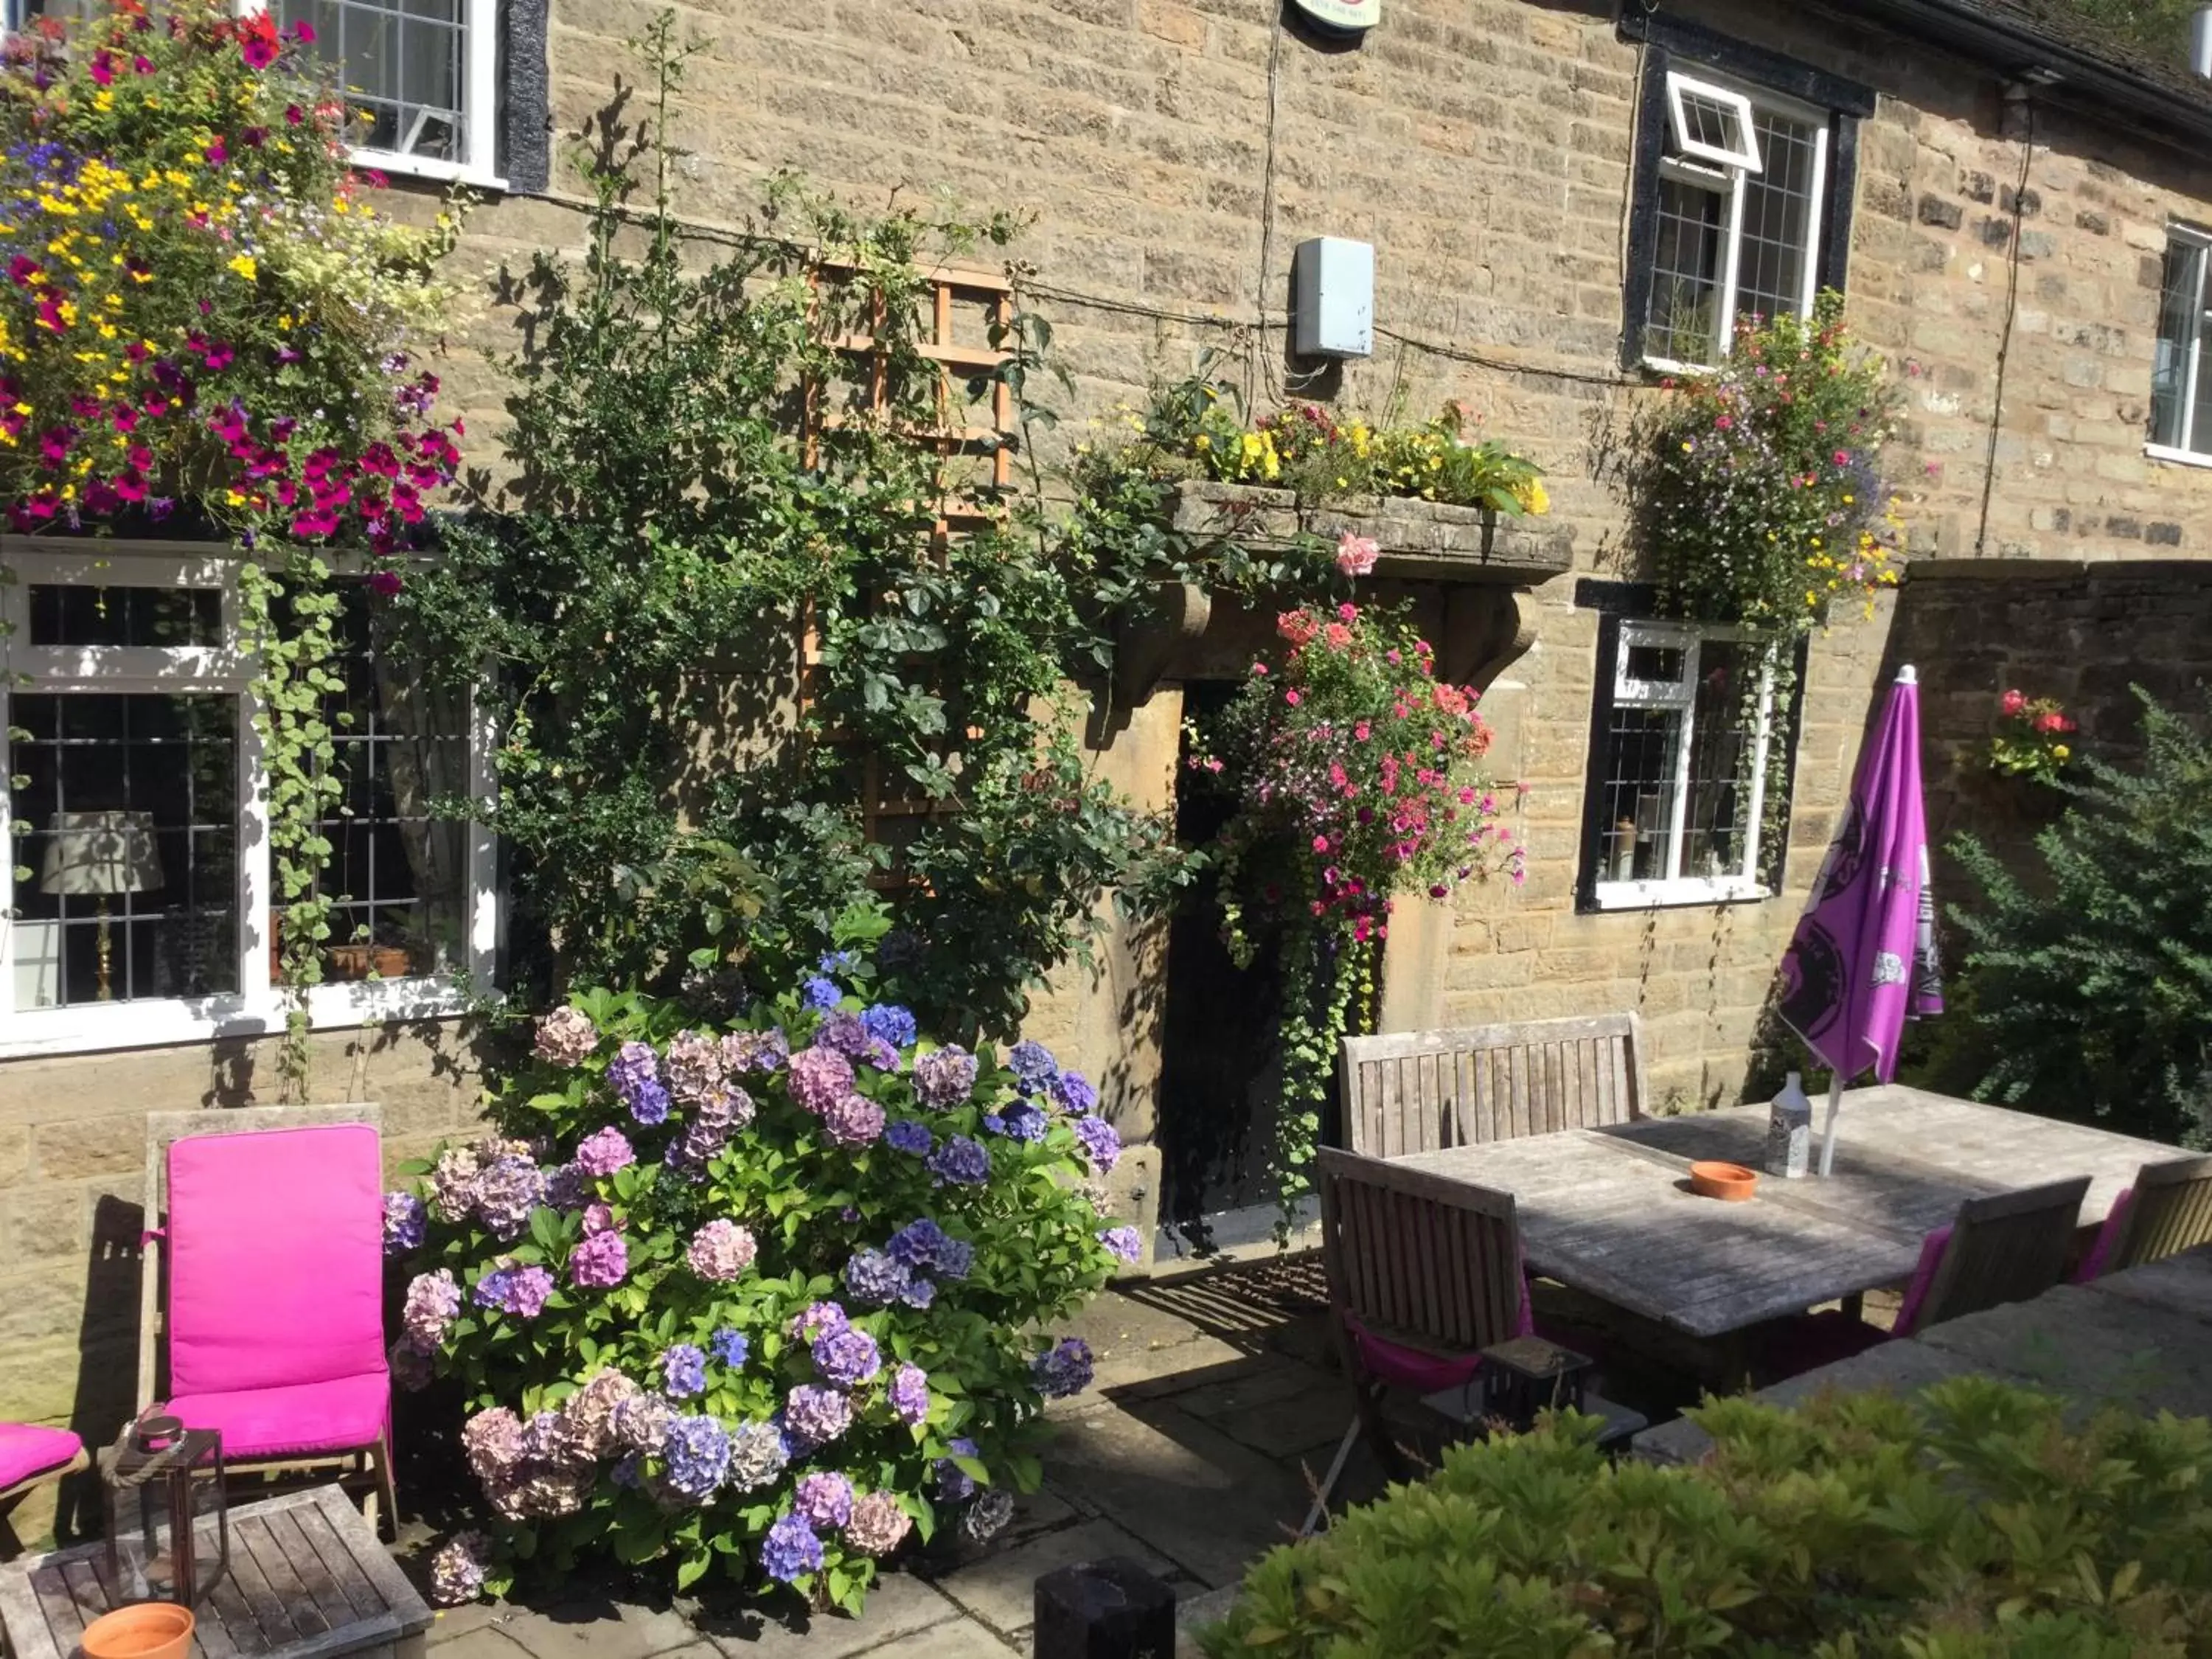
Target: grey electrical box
{"points": [[1333, 298]]}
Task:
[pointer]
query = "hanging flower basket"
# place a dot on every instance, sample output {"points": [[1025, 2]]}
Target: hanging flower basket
{"points": [[1417, 537]]}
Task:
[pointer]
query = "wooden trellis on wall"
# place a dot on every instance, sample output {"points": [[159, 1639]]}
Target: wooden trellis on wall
{"points": [[966, 309]]}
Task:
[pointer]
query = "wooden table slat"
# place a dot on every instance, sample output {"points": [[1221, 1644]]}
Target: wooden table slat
{"points": [[331, 1589], [280, 1603]]}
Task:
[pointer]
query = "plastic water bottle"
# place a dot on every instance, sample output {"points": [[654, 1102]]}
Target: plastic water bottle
{"points": [[1789, 1131]]}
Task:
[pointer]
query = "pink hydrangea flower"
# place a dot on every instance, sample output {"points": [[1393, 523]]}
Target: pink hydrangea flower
{"points": [[599, 1260], [720, 1251]]}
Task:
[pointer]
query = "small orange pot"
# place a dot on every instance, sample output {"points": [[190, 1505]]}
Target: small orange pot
{"points": [[1729, 1182], [147, 1629]]}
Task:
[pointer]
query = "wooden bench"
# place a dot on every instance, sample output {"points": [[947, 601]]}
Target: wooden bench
{"points": [[1422, 1092]]}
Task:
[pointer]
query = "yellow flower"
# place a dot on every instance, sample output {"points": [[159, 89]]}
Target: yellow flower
{"points": [[2060, 751], [245, 267], [1203, 442]]}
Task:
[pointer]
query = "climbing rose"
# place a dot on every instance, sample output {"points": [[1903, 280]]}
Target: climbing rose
{"points": [[1355, 555]]}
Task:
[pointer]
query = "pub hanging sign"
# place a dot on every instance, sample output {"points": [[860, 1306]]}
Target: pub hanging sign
{"points": [[1348, 16]]}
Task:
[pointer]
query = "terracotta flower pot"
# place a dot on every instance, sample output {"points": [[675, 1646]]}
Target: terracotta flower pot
{"points": [[360, 961], [1729, 1182], [147, 1629]]}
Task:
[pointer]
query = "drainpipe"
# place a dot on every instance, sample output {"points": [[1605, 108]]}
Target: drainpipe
{"points": [[2200, 41]]}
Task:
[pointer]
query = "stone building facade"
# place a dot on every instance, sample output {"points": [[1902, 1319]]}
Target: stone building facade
{"points": [[2000, 205]]}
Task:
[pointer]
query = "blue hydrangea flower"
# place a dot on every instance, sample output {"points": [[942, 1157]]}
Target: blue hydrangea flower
{"points": [[909, 1395], [683, 1371], [648, 1103], [1019, 1121], [405, 1222], [918, 1293], [908, 1136], [1032, 1065], [954, 1257], [918, 1242], [791, 1551], [730, 1347], [848, 1357], [838, 961], [819, 993], [1074, 1092], [893, 1023], [961, 1161], [1100, 1142], [696, 1455], [634, 1064], [876, 1280], [1065, 1370]]}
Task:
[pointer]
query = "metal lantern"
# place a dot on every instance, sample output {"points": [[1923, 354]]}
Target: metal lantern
{"points": [[168, 1530], [1527, 1376]]}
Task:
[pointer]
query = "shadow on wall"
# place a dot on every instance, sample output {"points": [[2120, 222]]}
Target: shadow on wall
{"points": [[107, 1357]]}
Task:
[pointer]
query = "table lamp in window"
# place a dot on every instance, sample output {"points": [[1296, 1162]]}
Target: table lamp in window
{"points": [[99, 855]]}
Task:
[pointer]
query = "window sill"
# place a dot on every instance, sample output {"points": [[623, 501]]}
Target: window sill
{"points": [[427, 169], [2177, 457], [1670, 895], [96, 1027]]}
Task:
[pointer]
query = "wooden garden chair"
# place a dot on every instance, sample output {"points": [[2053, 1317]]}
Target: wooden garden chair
{"points": [[1420, 1091], [2168, 1210], [264, 1289]]}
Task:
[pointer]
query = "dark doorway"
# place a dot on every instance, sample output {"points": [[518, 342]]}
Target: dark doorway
{"points": [[1220, 1061]]}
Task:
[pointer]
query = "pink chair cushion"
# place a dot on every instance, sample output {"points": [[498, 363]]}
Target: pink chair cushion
{"points": [[2108, 1240], [296, 1420], [275, 1259], [1395, 1365], [27, 1450], [1923, 1276]]}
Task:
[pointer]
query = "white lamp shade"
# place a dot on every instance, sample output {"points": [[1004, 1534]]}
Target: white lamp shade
{"points": [[100, 854]]}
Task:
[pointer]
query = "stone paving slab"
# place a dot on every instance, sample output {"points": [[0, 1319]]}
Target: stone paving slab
{"points": [[1000, 1590], [900, 1609]]}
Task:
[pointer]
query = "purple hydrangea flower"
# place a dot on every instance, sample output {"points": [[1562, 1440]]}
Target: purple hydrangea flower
{"points": [[818, 1318], [1073, 1092], [1121, 1243], [961, 1161], [890, 1022], [917, 1243], [815, 1416], [1019, 1121], [603, 1153], [880, 1524], [598, 1218], [918, 1293], [876, 1280], [846, 1357], [1032, 1065], [683, 1371], [945, 1077], [635, 1065], [507, 1190], [954, 1258], [453, 1184], [1100, 1142], [791, 1551], [566, 1036], [1064, 1370], [695, 1067], [406, 1222], [754, 1051], [599, 1260], [909, 1137], [458, 1569], [822, 1499], [648, 1103], [696, 1453], [640, 1423], [953, 1482], [566, 1186], [909, 1395], [844, 1034], [880, 1054], [434, 1301], [819, 992], [729, 1346], [520, 1291], [852, 1120], [757, 1457], [819, 1075]]}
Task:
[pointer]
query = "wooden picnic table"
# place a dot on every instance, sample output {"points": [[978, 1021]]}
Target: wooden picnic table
{"points": [[1610, 1211]]}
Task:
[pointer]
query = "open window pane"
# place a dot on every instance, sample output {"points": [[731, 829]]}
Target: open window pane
{"points": [[131, 800], [2179, 324], [1681, 326], [1711, 123], [1778, 216]]}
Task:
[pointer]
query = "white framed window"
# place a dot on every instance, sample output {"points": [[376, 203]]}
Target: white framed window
{"points": [[2181, 382], [1687, 715], [139, 901], [424, 73], [1736, 223]]}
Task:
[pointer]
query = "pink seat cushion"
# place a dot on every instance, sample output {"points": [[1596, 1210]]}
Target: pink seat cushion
{"points": [[294, 1420], [1395, 1365], [1923, 1276], [2108, 1240], [275, 1261], [27, 1450]]}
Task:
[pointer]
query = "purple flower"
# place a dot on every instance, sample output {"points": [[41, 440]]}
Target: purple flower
{"points": [[1064, 1370], [1121, 1243], [852, 1120], [434, 1301], [603, 1153], [507, 1190], [961, 1161], [918, 1293], [756, 1455], [720, 1251], [1073, 1092], [406, 1222], [1100, 1143], [945, 1077], [880, 1054], [954, 1257], [697, 1453], [566, 1186], [458, 1569], [880, 1524], [791, 1551], [846, 1357], [890, 1022], [819, 1075], [953, 1482], [918, 1242], [910, 1137], [648, 1103], [822, 1499], [634, 1065], [599, 1260], [695, 1067], [683, 1370], [598, 1218], [842, 1034], [820, 1317], [1032, 1065], [520, 1292], [640, 1423], [1020, 1121], [876, 1280], [819, 993], [729, 1346], [815, 1416], [453, 1184], [909, 1395], [754, 1051], [566, 1037]]}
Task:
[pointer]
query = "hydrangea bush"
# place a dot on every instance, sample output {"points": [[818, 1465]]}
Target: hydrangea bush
{"points": [[772, 1295]]}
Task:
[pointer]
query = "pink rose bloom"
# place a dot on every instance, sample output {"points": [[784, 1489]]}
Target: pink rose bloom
{"points": [[1292, 698], [2014, 701], [1355, 555]]}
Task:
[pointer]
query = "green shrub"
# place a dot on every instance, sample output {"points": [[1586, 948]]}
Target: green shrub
{"points": [[2092, 982], [1971, 1523]]}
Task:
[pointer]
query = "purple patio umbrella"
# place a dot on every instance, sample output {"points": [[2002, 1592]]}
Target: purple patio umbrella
{"points": [[1863, 961]]}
